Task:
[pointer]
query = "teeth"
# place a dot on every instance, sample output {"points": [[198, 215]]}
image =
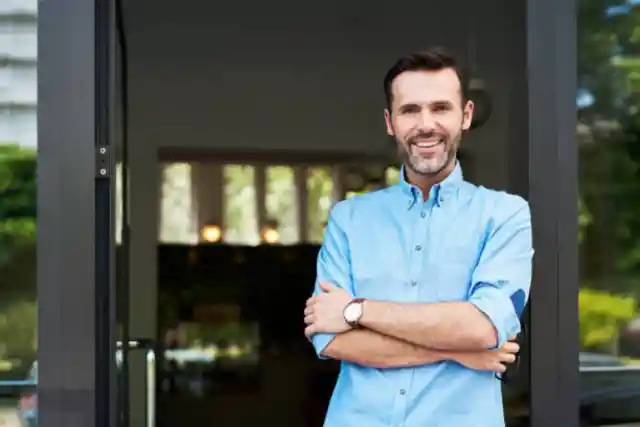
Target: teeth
{"points": [[427, 144]]}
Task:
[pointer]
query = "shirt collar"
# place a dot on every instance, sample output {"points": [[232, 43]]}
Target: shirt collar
{"points": [[439, 192]]}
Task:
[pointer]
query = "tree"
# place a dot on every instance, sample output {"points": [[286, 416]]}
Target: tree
{"points": [[608, 82], [17, 200], [18, 319], [609, 76]]}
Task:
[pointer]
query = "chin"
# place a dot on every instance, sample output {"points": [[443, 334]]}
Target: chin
{"points": [[423, 168]]}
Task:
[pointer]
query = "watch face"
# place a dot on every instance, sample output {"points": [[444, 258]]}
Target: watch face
{"points": [[352, 312]]}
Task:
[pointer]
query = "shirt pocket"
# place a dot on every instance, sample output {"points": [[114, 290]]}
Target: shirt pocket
{"points": [[379, 271]]}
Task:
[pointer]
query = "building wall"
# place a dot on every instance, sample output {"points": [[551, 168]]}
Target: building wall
{"points": [[299, 78], [18, 71]]}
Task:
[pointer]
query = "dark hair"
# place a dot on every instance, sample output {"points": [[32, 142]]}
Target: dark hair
{"points": [[430, 59]]}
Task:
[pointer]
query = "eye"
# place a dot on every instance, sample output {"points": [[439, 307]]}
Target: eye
{"points": [[410, 109], [441, 108]]}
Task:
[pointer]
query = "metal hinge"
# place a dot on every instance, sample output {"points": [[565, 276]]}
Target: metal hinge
{"points": [[103, 162]]}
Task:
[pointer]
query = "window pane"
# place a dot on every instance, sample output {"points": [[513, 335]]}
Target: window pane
{"points": [[281, 203], [609, 211], [17, 260], [241, 212], [176, 225], [18, 141], [320, 193]]}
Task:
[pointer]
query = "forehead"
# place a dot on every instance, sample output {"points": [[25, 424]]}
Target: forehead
{"points": [[424, 87]]}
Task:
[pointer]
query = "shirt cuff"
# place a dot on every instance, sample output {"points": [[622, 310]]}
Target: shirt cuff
{"points": [[320, 342], [499, 309]]}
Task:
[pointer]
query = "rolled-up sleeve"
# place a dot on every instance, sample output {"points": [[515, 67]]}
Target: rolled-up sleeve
{"points": [[502, 280], [333, 265]]}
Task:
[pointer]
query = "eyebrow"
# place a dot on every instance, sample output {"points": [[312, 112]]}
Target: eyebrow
{"points": [[438, 103]]}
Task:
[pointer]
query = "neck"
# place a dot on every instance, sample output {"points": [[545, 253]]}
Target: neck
{"points": [[425, 182]]}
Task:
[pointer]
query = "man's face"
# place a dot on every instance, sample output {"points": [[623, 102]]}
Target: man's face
{"points": [[427, 118]]}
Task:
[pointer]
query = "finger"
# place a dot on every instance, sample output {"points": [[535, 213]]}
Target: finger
{"points": [[308, 310], [511, 347], [309, 331], [499, 367], [311, 301], [513, 338], [327, 287], [507, 357], [310, 319]]}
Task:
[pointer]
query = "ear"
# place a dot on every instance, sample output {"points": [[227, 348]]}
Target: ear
{"points": [[387, 120], [467, 115]]}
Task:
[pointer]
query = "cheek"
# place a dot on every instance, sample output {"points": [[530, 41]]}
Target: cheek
{"points": [[402, 128], [451, 126]]}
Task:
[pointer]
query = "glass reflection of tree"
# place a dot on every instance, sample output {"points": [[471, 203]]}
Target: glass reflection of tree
{"points": [[609, 149]]}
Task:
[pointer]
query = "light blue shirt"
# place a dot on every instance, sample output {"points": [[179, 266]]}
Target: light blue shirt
{"points": [[466, 243]]}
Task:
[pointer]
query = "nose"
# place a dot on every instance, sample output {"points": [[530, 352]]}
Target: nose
{"points": [[427, 121]]}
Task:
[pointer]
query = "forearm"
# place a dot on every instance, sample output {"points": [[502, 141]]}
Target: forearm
{"points": [[448, 326], [369, 348]]}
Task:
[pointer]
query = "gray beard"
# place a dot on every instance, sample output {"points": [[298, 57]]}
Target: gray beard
{"points": [[420, 167]]}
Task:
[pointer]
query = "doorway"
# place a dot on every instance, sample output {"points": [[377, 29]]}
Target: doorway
{"points": [[530, 131], [240, 139]]}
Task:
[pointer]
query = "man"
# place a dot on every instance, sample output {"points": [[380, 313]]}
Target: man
{"points": [[420, 286]]}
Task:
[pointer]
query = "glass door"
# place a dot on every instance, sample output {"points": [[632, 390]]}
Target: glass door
{"points": [[135, 352]]}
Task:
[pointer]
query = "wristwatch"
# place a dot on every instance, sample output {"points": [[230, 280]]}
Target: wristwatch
{"points": [[353, 312]]}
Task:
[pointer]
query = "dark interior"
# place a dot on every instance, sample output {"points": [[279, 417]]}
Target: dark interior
{"points": [[243, 307]]}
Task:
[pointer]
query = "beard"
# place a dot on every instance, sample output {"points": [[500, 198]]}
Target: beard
{"points": [[433, 165]]}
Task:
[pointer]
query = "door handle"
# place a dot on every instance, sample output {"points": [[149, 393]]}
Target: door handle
{"points": [[148, 346]]}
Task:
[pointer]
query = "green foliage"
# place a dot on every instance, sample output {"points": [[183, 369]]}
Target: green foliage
{"points": [[607, 57], [601, 316], [17, 200], [584, 218], [18, 332], [18, 317]]}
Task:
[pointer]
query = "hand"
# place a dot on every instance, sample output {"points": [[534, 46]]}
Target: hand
{"points": [[489, 360], [325, 312]]}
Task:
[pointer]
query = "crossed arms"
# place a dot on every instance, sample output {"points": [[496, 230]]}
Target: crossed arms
{"points": [[471, 332]]}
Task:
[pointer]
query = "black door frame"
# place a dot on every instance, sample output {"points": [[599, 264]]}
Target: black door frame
{"points": [[75, 210], [76, 241]]}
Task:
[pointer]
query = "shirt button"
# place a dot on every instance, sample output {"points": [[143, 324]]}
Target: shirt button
{"points": [[414, 283], [403, 391], [418, 248], [423, 214]]}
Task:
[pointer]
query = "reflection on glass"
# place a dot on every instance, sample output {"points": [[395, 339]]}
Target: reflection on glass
{"points": [[320, 194], [18, 142], [609, 211], [18, 139], [210, 354], [18, 308]]}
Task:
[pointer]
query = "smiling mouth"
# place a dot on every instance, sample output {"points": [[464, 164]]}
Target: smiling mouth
{"points": [[427, 144]]}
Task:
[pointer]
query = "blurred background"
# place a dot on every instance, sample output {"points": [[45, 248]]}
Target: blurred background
{"points": [[235, 168]]}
